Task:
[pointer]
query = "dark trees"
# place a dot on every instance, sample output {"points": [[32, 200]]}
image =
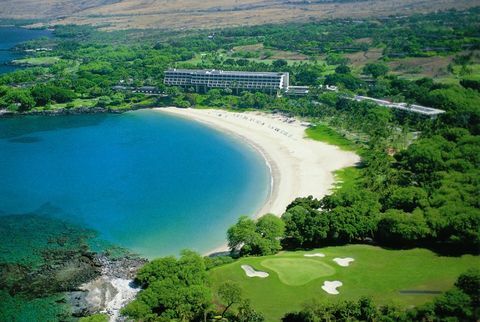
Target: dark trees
{"points": [[256, 238]]}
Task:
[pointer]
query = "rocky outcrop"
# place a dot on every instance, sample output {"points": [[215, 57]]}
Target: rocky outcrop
{"points": [[71, 111], [109, 292], [44, 257], [74, 111]]}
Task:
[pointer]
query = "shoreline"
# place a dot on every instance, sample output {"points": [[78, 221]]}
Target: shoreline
{"points": [[299, 166]]}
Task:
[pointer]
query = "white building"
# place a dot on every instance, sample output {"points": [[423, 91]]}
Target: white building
{"points": [[206, 79]]}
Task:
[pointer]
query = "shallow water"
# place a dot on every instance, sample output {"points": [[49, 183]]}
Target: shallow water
{"points": [[150, 182]]}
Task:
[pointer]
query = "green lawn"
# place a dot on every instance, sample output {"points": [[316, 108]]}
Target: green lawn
{"points": [[306, 270], [78, 102], [37, 61], [324, 133], [376, 272], [346, 178]]}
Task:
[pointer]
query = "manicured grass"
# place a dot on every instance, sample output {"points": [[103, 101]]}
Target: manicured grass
{"points": [[37, 61], [376, 272], [78, 102], [306, 270], [324, 133]]}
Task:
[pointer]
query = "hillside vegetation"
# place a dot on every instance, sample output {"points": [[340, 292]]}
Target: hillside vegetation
{"points": [[191, 14]]}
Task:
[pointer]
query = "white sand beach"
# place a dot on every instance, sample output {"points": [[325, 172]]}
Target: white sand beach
{"points": [[299, 166]]}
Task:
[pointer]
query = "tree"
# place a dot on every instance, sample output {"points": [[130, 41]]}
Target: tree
{"points": [[173, 290], [179, 101], [367, 308], [243, 232], [214, 97], [279, 63], [229, 293], [157, 269], [270, 229], [453, 304], [104, 101], [423, 158], [247, 100], [17, 99], [347, 80], [247, 314], [362, 310], [473, 83], [400, 228], [343, 69], [256, 238], [353, 214], [469, 283], [407, 198], [375, 69], [305, 227], [44, 94]]}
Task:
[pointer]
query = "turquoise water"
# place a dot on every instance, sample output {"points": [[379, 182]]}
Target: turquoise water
{"points": [[12, 36], [150, 182]]}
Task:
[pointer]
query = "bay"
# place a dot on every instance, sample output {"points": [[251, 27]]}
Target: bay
{"points": [[149, 182]]}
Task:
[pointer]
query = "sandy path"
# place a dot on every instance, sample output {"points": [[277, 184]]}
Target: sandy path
{"points": [[299, 167]]}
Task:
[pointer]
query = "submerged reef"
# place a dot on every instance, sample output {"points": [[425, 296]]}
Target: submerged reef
{"points": [[43, 260]]}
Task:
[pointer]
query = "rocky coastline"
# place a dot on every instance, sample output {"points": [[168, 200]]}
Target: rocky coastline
{"points": [[71, 111], [54, 270], [110, 291]]}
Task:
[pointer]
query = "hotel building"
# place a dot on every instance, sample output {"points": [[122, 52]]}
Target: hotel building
{"points": [[206, 79]]}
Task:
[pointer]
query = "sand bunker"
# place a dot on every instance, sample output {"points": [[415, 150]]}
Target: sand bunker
{"points": [[331, 287], [343, 261], [251, 272], [315, 255]]}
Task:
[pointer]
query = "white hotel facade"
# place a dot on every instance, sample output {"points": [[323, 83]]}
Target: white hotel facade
{"points": [[207, 79]]}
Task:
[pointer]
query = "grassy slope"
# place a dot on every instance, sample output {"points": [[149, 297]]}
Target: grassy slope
{"points": [[376, 272], [346, 178], [328, 135]]}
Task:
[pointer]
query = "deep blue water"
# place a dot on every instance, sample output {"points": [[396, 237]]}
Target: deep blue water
{"points": [[150, 182], [9, 38]]}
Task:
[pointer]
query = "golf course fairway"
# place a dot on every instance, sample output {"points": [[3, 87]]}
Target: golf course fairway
{"points": [[375, 272]]}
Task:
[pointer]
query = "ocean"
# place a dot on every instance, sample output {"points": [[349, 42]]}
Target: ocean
{"points": [[153, 183], [12, 36]]}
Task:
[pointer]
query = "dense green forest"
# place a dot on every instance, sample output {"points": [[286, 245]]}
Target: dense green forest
{"points": [[417, 185], [91, 62]]}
